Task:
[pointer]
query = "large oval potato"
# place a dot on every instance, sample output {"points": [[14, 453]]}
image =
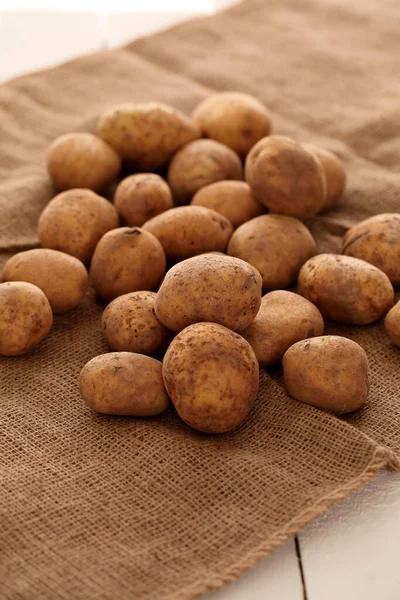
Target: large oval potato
{"points": [[124, 383], [140, 197], [276, 245], [335, 174], [392, 323], [211, 376], [346, 289], [330, 372]]}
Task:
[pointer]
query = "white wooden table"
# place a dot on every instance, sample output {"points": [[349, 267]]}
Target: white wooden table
{"points": [[352, 551]]}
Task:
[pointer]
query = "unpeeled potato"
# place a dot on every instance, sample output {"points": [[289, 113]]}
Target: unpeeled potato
{"points": [[140, 197], [335, 174]]}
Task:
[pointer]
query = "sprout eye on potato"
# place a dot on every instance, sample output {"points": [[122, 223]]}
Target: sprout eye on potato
{"points": [[140, 197]]}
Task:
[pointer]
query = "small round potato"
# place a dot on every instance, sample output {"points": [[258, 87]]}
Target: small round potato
{"points": [[200, 163], [74, 221], [210, 287], [211, 376], [346, 289], [140, 197], [235, 119], [186, 231], [127, 259], [62, 278], [82, 160], [284, 318], [392, 323], [276, 245], [285, 177], [26, 317], [124, 383], [330, 372], [232, 199], [335, 174]]}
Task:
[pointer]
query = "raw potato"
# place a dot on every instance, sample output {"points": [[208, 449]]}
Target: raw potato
{"points": [[330, 372], [127, 259], [392, 323], [285, 177], [234, 119], [198, 164], [82, 160], [124, 383], [26, 317], [335, 174], [276, 245], [346, 289], [186, 231], [62, 278], [232, 199], [146, 135], [377, 241], [284, 318], [210, 287], [140, 197], [211, 375], [130, 324], [74, 221]]}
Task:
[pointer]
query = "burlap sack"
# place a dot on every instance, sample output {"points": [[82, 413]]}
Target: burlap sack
{"points": [[94, 507]]}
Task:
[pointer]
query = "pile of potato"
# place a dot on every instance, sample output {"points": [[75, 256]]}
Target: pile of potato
{"points": [[207, 215]]}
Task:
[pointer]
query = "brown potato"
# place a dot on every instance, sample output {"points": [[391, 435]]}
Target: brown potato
{"points": [[330, 372], [127, 259], [211, 375], [140, 197], [346, 289], [74, 221], [146, 135], [124, 383], [285, 177], [276, 245], [284, 318], [82, 160], [210, 287], [234, 119], [392, 323], [200, 163], [186, 231], [26, 317], [335, 174], [62, 278]]}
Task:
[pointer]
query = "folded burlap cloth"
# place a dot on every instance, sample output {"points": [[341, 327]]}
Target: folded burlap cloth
{"points": [[95, 507]]}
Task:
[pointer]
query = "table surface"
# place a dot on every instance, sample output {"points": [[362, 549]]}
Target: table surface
{"points": [[350, 552]]}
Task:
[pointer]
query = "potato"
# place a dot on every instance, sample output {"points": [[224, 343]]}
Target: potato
{"points": [[377, 241], [140, 197], [276, 245], [392, 323], [185, 231], [26, 317], [234, 119], [200, 163], [62, 278], [82, 160], [335, 174], [284, 318], [330, 372], [74, 221], [210, 287], [124, 383], [232, 199], [285, 177], [146, 135], [211, 375], [127, 259], [346, 289]]}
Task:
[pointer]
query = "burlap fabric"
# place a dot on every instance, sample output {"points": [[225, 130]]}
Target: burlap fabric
{"points": [[94, 507]]}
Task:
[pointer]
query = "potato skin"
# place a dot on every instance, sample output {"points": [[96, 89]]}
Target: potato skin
{"points": [[330, 372], [392, 323], [335, 174], [140, 197], [74, 221], [346, 289], [82, 160], [124, 383], [186, 231], [210, 287], [26, 317], [211, 376], [63, 278], [284, 318], [285, 177], [276, 245]]}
